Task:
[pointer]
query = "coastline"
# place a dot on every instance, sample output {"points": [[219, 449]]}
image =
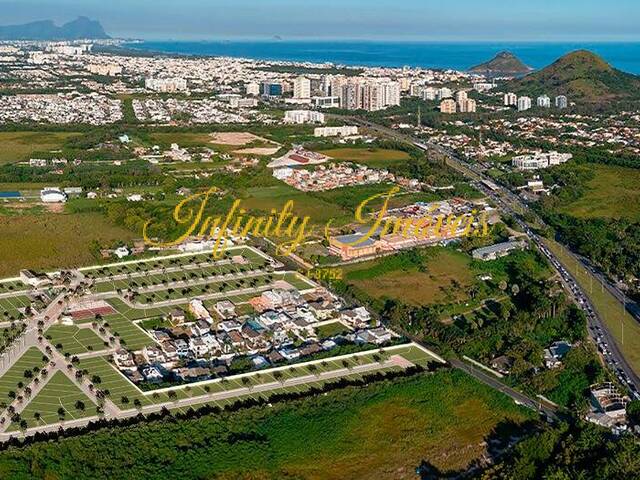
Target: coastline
{"points": [[390, 54]]}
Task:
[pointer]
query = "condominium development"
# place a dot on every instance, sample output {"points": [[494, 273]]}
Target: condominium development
{"points": [[346, 131], [303, 116], [166, 85], [448, 106], [540, 160], [108, 70], [371, 94], [525, 103]]}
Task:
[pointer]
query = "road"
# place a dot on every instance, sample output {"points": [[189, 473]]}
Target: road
{"points": [[512, 204]]}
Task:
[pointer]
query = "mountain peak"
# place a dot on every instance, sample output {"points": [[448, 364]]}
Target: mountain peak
{"points": [[584, 59], [80, 28], [583, 76], [504, 63]]}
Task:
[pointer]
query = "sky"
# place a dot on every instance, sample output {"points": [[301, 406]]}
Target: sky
{"points": [[429, 20]]}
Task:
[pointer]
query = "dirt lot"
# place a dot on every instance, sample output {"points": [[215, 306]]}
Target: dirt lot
{"points": [[236, 138]]}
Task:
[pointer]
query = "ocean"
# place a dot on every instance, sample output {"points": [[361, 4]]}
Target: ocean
{"points": [[458, 55]]}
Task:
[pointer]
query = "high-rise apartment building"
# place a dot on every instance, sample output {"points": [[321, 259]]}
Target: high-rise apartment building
{"points": [[524, 103], [448, 106], [561, 101], [544, 101], [302, 88], [510, 99]]}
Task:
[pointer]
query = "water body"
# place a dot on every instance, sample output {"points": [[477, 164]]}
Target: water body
{"points": [[458, 56]]}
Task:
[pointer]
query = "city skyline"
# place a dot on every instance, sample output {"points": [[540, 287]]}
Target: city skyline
{"points": [[434, 20]]}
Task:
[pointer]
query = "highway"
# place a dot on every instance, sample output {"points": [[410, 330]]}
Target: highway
{"points": [[512, 204]]}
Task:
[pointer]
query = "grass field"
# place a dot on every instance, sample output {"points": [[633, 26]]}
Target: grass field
{"points": [[611, 188], [131, 335], [263, 199], [75, 340], [374, 157], [185, 140], [59, 392], [610, 310], [9, 307], [10, 380], [112, 380], [444, 278], [331, 329], [53, 241], [18, 146], [382, 431]]}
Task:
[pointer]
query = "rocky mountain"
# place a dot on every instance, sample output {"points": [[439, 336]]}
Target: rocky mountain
{"points": [[503, 64], [80, 28], [584, 77]]}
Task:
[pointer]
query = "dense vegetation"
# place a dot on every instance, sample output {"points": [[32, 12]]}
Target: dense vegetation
{"points": [[579, 451], [531, 312], [584, 77], [384, 431]]}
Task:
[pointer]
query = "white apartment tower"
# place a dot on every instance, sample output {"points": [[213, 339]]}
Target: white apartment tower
{"points": [[544, 101], [510, 99], [524, 103], [302, 88]]}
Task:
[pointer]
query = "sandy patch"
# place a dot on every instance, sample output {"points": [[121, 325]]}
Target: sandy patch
{"points": [[258, 151], [236, 138]]}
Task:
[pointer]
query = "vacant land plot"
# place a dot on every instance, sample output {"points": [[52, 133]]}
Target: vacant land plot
{"points": [[74, 340], [130, 334], [331, 329], [237, 139], [10, 307], [611, 189], [31, 359], [443, 278], [54, 241], [105, 377], [19, 146], [187, 140], [60, 399], [382, 431], [374, 157]]}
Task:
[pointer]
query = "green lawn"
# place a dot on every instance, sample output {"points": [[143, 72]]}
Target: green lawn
{"points": [[75, 340], [59, 392], [16, 374], [9, 307], [112, 380], [19, 146], [374, 157], [331, 330], [131, 335], [612, 193]]}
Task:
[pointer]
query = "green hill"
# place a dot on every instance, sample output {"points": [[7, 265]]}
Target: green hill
{"points": [[582, 76], [503, 64]]}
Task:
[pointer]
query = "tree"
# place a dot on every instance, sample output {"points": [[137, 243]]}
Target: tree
{"points": [[633, 412]]}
